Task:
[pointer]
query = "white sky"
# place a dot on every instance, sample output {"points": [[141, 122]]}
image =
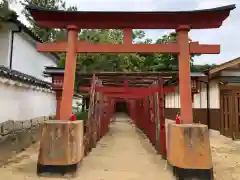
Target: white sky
{"points": [[227, 36]]}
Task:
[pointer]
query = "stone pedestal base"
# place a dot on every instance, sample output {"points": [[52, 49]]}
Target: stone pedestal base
{"points": [[189, 151], [61, 146]]}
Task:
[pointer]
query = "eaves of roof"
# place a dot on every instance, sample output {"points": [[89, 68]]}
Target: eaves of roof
{"points": [[24, 78]]}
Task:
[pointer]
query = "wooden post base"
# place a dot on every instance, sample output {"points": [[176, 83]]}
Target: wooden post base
{"points": [[49, 170], [189, 152], [197, 174], [61, 145]]}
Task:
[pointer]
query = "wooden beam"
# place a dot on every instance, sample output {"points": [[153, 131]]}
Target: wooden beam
{"points": [[232, 69], [128, 77], [105, 89], [196, 48], [117, 81], [126, 96], [229, 87], [110, 48], [58, 46], [122, 85], [129, 74], [83, 47], [224, 66], [127, 36], [121, 79]]}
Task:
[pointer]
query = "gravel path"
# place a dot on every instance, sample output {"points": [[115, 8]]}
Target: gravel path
{"points": [[126, 154], [123, 154], [226, 158]]}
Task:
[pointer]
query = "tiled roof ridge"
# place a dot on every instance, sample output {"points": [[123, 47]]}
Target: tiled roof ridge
{"points": [[22, 77]]}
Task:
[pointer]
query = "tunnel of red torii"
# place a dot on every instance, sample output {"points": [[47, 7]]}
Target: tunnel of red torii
{"points": [[135, 89], [117, 85], [181, 21], [122, 86]]}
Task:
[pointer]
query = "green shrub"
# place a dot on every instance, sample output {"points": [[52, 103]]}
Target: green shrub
{"points": [[82, 115]]}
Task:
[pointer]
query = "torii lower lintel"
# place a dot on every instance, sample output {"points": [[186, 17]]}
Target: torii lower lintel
{"points": [[84, 47], [125, 96]]}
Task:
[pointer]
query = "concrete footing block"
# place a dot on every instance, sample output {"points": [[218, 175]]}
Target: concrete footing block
{"points": [[189, 152], [61, 145]]}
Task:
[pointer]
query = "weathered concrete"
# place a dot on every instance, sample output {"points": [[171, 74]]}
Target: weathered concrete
{"points": [[212, 132], [15, 136]]}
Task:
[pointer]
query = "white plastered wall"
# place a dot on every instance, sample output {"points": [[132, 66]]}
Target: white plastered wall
{"points": [[27, 59], [172, 100], [24, 102]]}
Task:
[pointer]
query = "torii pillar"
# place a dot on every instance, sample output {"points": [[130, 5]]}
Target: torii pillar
{"points": [[69, 74], [184, 74], [63, 136]]}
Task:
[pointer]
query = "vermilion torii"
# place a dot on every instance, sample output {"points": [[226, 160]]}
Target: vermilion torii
{"points": [[181, 21], [129, 90]]}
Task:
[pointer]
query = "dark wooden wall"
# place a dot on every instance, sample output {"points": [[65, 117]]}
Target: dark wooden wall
{"points": [[199, 115]]}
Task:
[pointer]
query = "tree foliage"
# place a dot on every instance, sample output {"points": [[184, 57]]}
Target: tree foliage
{"points": [[46, 34], [108, 62], [5, 12]]}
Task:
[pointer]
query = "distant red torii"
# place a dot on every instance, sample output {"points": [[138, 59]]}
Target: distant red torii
{"points": [[129, 90], [125, 96]]}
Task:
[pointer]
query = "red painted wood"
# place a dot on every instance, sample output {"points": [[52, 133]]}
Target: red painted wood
{"points": [[84, 47], [161, 101], [125, 96], [198, 19], [129, 90]]}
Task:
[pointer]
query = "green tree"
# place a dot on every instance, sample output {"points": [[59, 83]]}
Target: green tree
{"points": [[5, 12], [201, 68], [108, 62], [167, 62], [47, 34]]}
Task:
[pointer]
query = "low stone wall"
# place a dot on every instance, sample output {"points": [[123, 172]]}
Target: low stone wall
{"points": [[15, 136]]}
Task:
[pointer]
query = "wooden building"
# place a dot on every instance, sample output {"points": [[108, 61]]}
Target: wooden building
{"points": [[215, 99]]}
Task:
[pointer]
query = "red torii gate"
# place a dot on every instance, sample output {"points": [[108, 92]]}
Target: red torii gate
{"points": [[141, 94], [142, 119], [130, 90], [181, 21]]}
